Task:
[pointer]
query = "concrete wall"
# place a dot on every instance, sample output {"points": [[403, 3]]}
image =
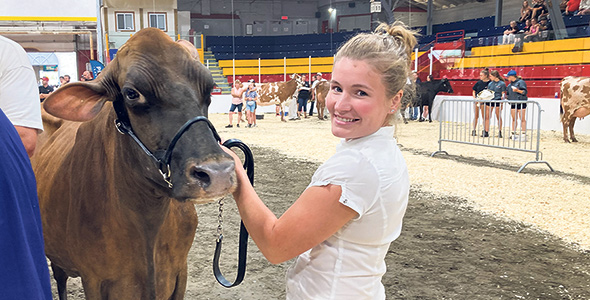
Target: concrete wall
{"points": [[140, 20]]}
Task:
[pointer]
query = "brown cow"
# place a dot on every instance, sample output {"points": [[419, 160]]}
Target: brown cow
{"points": [[575, 103], [108, 216], [320, 92], [279, 92]]}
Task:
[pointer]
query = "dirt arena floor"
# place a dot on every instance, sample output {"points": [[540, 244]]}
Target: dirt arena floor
{"points": [[474, 228]]}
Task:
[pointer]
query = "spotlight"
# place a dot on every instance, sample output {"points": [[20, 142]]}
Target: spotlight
{"points": [[330, 10]]}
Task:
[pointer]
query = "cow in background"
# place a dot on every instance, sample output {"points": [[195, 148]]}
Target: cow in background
{"points": [[320, 91], [575, 103], [279, 92], [108, 215], [428, 90]]}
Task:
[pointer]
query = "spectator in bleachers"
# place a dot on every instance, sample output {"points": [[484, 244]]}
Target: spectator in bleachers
{"points": [[562, 6], [533, 33], [572, 8], [510, 33], [525, 12], [539, 9], [584, 8], [480, 85], [544, 28], [517, 90], [498, 86]]}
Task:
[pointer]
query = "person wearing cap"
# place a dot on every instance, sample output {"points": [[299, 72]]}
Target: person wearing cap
{"points": [[45, 89], [318, 79], [544, 28], [517, 91]]}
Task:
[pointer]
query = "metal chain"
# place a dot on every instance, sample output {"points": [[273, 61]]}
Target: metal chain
{"points": [[220, 221]]}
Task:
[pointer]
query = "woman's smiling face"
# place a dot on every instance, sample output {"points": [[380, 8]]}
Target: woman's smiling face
{"points": [[357, 100]]}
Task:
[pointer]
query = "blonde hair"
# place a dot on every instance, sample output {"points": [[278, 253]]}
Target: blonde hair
{"points": [[387, 50]]}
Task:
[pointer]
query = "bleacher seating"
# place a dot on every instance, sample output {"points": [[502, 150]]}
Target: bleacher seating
{"points": [[542, 64], [271, 47]]}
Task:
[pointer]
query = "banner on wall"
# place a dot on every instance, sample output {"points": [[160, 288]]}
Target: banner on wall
{"points": [[96, 67]]}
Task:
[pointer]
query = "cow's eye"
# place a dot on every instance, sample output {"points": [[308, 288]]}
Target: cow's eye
{"points": [[130, 94]]}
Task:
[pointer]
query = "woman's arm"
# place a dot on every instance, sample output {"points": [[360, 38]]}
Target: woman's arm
{"points": [[313, 218]]}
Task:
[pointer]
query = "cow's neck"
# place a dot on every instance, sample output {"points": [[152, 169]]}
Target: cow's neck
{"points": [[143, 192], [145, 204]]}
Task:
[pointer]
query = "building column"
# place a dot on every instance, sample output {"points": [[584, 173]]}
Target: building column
{"points": [[498, 21], [429, 18]]}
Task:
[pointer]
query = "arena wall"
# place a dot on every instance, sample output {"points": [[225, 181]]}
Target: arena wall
{"points": [[550, 118]]}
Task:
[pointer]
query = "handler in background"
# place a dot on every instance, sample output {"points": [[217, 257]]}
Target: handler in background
{"points": [[517, 90], [341, 227]]}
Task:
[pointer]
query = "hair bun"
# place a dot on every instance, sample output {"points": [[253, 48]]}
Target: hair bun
{"points": [[399, 31]]}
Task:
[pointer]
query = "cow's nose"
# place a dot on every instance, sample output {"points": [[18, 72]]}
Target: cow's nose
{"points": [[214, 176]]}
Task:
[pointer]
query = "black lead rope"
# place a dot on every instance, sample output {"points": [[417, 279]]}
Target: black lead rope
{"points": [[243, 241], [163, 162]]}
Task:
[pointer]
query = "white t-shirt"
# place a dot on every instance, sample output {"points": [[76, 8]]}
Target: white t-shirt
{"points": [[316, 82], [349, 265], [19, 94]]}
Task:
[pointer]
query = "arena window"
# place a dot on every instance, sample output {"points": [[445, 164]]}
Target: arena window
{"points": [[125, 21], [158, 20]]}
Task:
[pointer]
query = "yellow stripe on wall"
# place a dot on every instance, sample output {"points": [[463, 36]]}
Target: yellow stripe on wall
{"points": [[23, 18]]}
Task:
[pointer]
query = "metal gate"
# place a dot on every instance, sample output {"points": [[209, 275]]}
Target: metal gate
{"points": [[458, 125]]}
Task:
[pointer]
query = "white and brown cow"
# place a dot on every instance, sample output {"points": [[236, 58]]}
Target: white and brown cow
{"points": [[575, 103], [279, 92]]}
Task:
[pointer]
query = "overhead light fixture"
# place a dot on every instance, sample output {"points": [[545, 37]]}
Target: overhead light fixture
{"points": [[330, 10]]}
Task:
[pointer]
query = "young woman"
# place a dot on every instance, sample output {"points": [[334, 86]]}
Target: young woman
{"points": [[497, 86], [533, 33], [236, 103], [341, 227], [517, 90], [251, 96], [480, 85], [525, 12]]}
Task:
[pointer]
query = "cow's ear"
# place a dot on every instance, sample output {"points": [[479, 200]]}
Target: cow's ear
{"points": [[78, 101]]}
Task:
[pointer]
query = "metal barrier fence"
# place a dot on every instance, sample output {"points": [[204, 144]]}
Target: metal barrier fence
{"points": [[459, 125]]}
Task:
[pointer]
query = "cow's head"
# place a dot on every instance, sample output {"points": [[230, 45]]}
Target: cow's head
{"points": [[161, 87], [298, 79], [445, 86]]}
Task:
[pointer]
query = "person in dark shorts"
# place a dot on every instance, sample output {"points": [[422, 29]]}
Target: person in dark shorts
{"points": [[302, 98], [497, 86], [480, 85], [517, 90]]}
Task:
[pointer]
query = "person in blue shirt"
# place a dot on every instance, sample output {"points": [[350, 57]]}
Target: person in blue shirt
{"points": [[497, 86], [25, 274], [251, 96]]}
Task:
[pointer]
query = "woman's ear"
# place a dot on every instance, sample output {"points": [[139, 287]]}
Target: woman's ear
{"points": [[395, 102]]}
